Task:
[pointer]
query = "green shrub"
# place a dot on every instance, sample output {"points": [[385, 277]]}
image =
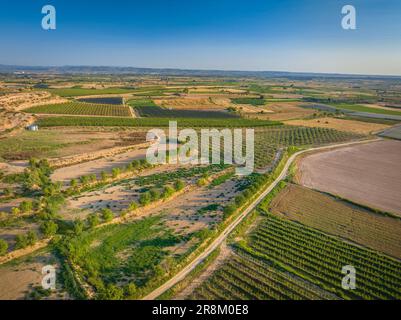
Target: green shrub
{"points": [[145, 198], [3, 247], [49, 228], [93, 220], [107, 215]]}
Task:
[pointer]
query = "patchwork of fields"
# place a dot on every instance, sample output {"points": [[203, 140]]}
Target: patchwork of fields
{"points": [[124, 227]]}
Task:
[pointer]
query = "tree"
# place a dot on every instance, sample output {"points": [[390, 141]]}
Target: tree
{"points": [[3, 247], [179, 185], [154, 194], [15, 211], [131, 290], [92, 177], [37, 175], [168, 191], [32, 237], [239, 200], [145, 198], [93, 220], [78, 227], [107, 215], [21, 241], [229, 210], [133, 206], [115, 172], [74, 183], [49, 228], [201, 182], [84, 180], [25, 206], [103, 175], [111, 292]]}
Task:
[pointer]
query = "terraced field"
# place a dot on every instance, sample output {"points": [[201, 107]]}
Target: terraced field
{"points": [[80, 108]]}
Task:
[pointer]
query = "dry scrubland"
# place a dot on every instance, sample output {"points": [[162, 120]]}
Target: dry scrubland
{"points": [[369, 174]]}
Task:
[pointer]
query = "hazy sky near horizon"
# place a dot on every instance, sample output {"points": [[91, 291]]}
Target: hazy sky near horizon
{"points": [[285, 35]]}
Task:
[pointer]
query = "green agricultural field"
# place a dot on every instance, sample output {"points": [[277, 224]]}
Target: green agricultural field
{"points": [[141, 103], [251, 101], [283, 100], [75, 92], [360, 108], [81, 108], [269, 141], [153, 122], [287, 260]]}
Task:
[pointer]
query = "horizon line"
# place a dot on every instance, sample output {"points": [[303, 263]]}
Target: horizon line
{"points": [[203, 69]]}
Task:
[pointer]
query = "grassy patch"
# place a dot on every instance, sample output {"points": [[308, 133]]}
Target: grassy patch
{"points": [[251, 101], [360, 108]]}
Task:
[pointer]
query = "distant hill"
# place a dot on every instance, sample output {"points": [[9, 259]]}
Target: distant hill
{"points": [[183, 72]]}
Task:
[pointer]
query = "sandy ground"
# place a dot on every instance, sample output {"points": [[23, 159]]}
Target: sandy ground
{"points": [[190, 103], [279, 111], [115, 197], [20, 101], [182, 214], [369, 174], [17, 280], [97, 166], [13, 119], [340, 124]]}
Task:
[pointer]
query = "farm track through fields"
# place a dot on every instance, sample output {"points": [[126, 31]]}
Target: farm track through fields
{"points": [[224, 234]]}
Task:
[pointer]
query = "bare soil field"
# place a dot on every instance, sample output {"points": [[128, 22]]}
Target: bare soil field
{"points": [[12, 119], [369, 174], [16, 281], [339, 218], [116, 197], [340, 124], [185, 215], [281, 111], [75, 171], [189, 103]]}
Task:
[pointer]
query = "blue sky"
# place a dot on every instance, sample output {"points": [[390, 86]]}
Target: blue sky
{"points": [[285, 35]]}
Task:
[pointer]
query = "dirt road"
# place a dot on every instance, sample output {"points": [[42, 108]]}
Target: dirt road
{"points": [[219, 240]]}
